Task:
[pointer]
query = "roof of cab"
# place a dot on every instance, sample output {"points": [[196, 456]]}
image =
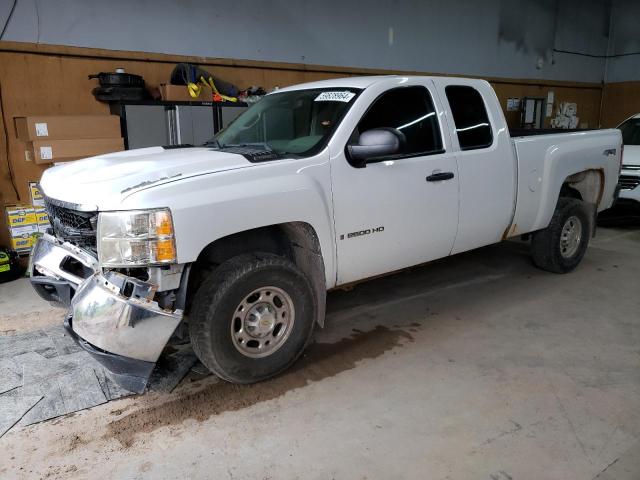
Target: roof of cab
{"points": [[347, 82]]}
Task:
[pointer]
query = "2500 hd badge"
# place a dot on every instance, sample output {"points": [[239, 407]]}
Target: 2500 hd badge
{"points": [[368, 231]]}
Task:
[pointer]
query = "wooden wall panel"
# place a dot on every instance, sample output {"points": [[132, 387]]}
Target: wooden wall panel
{"points": [[587, 99], [621, 100]]}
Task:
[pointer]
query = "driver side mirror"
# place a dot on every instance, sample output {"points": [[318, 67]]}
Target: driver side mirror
{"points": [[374, 144]]}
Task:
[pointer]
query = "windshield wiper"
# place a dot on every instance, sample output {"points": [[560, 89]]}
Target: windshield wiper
{"points": [[213, 142], [257, 145]]}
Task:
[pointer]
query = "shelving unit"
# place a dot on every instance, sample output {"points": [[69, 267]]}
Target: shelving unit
{"points": [[151, 123]]}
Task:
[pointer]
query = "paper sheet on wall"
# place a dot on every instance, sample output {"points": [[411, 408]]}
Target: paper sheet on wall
{"points": [[529, 110], [46, 153], [549, 111]]}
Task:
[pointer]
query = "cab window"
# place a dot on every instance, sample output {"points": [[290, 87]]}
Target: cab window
{"points": [[410, 110], [470, 117]]}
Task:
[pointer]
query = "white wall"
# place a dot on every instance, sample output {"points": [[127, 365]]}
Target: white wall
{"points": [[500, 38]]}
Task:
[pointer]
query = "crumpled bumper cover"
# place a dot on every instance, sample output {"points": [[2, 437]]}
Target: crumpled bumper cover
{"points": [[111, 316], [129, 373]]}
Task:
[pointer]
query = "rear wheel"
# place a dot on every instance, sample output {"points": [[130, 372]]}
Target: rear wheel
{"points": [[252, 317], [559, 248]]}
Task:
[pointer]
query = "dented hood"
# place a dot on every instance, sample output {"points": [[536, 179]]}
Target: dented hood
{"points": [[102, 182]]}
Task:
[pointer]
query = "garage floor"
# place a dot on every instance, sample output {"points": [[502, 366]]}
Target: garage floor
{"points": [[475, 367]]}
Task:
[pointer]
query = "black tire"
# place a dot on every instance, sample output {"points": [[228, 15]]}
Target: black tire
{"points": [[547, 251], [215, 305]]}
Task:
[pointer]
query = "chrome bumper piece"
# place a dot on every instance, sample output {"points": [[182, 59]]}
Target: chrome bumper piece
{"points": [[133, 327], [51, 258], [629, 183], [113, 314]]}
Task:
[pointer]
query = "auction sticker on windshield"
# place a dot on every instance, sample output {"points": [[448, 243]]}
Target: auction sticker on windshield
{"points": [[335, 96]]}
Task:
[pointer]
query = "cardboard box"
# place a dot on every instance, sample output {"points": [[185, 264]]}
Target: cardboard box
{"points": [[49, 151], [23, 238], [20, 215], [37, 200], [67, 127], [42, 217], [22, 225], [179, 93]]}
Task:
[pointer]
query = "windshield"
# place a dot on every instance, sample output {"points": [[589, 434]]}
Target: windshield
{"points": [[631, 131], [297, 122]]}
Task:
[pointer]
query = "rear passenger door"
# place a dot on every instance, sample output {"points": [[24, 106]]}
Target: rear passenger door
{"points": [[486, 162]]}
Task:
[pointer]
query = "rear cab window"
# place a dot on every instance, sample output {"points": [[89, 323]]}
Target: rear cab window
{"points": [[470, 117]]}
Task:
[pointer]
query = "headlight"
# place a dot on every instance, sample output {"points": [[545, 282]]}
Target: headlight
{"points": [[136, 237]]}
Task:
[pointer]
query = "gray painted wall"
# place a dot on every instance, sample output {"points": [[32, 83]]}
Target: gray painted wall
{"points": [[499, 38], [625, 39]]}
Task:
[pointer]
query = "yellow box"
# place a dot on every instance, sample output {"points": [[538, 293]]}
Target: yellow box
{"points": [[20, 216], [42, 217], [23, 238], [37, 200]]}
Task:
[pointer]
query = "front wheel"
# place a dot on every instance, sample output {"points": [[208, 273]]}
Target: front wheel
{"points": [[559, 248], [252, 317]]}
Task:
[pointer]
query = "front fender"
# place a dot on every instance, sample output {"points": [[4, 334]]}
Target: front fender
{"points": [[211, 206]]}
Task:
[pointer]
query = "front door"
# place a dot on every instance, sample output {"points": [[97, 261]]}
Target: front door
{"points": [[402, 211]]}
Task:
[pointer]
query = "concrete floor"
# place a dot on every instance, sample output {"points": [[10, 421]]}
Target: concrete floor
{"points": [[475, 367]]}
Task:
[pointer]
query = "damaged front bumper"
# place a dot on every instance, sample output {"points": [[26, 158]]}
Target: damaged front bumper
{"points": [[111, 316]]}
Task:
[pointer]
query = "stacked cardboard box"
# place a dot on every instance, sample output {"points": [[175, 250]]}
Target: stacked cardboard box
{"points": [[23, 226], [50, 139], [27, 222]]}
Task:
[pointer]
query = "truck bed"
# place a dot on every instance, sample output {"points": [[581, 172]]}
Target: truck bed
{"points": [[545, 158], [521, 132]]}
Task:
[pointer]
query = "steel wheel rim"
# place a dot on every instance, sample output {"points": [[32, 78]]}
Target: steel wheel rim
{"points": [[262, 322], [570, 237]]}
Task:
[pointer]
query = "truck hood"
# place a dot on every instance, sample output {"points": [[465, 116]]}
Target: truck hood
{"points": [[102, 182], [631, 155]]}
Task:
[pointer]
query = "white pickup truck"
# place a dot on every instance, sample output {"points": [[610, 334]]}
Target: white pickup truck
{"points": [[316, 186]]}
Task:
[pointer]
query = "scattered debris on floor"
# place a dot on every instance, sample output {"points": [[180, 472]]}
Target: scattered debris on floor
{"points": [[171, 368], [44, 374]]}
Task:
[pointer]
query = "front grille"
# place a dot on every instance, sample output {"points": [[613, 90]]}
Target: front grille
{"points": [[628, 182], [73, 226]]}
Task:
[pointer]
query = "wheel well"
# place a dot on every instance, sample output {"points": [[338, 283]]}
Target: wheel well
{"points": [[296, 241], [586, 185]]}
